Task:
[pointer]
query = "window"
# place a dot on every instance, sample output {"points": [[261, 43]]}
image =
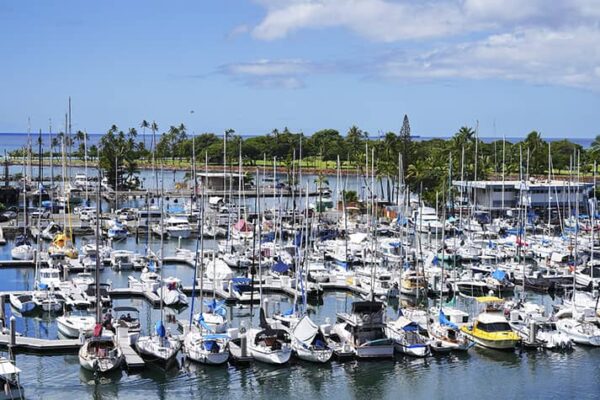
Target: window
{"points": [[494, 327]]}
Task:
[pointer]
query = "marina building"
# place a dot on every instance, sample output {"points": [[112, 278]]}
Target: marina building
{"points": [[536, 194]]}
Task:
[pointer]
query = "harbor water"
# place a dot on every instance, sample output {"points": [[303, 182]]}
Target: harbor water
{"points": [[479, 372]]}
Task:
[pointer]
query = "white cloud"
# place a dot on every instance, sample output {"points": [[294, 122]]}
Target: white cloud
{"points": [[540, 56], [398, 20], [283, 74]]}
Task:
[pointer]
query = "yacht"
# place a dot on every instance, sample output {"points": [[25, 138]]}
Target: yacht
{"points": [[364, 330], [309, 342], [407, 338]]}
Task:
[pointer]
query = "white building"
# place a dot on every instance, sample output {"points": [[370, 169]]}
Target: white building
{"points": [[537, 194]]}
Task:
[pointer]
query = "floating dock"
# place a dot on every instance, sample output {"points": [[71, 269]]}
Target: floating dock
{"points": [[25, 343]]}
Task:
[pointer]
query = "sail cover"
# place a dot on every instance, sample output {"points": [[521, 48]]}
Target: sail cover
{"points": [[305, 331]]}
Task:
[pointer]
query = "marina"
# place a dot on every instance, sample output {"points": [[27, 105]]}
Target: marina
{"points": [[218, 200]]}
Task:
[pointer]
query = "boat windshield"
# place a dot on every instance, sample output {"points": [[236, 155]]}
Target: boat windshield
{"points": [[494, 327]]}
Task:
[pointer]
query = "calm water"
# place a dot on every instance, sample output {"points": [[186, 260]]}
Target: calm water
{"points": [[481, 372]]}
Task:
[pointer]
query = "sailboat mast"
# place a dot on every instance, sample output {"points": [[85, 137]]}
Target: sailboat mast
{"points": [[162, 234], [97, 272]]}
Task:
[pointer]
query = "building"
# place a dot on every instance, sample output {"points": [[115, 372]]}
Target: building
{"points": [[217, 181], [539, 195]]}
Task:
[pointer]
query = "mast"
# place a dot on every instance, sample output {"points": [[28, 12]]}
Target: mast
{"points": [[97, 272], [162, 236], [200, 226]]}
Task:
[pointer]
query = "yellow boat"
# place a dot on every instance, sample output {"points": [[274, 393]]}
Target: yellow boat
{"points": [[491, 329]]}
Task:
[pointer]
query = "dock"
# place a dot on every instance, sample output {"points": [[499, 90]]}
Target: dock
{"points": [[25, 343], [132, 359]]}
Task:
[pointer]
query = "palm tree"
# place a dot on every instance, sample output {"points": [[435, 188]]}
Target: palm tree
{"points": [[144, 125], [154, 129]]}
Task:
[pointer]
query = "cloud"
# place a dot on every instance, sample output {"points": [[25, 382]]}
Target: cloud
{"points": [[566, 57], [392, 21], [270, 74]]}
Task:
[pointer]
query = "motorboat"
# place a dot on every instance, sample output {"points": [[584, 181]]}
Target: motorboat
{"points": [[490, 328], [413, 283], [364, 330], [536, 330], [178, 227], [171, 292], [116, 230], [76, 324], [317, 272], [121, 260], [24, 302], [406, 337]]}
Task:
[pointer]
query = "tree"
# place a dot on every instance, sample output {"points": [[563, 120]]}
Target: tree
{"points": [[144, 125], [355, 144], [538, 153], [406, 143], [326, 143]]}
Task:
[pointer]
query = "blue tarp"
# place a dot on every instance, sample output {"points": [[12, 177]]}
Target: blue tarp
{"points": [[499, 275], [412, 327], [280, 267], [160, 329], [241, 281], [216, 307], [203, 323], [445, 321]]}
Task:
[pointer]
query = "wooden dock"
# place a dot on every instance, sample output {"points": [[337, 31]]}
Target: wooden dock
{"points": [[41, 345]]}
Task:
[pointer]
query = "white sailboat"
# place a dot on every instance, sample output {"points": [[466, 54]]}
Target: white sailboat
{"points": [[205, 342], [101, 352], [160, 345]]}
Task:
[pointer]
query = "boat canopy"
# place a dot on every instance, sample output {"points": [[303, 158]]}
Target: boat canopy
{"points": [[305, 331], [241, 281]]}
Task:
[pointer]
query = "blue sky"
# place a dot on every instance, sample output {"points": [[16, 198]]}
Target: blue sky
{"points": [[256, 65]]}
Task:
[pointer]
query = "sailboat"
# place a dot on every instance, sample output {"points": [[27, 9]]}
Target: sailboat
{"points": [[100, 353], [205, 342], [266, 344], [23, 250], [159, 346]]}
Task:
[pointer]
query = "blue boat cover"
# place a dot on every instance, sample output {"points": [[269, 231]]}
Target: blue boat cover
{"points": [[280, 267], [499, 275], [160, 329], [241, 281], [216, 307], [412, 327], [204, 324], [445, 321]]}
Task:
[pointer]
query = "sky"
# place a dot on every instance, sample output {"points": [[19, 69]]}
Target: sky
{"points": [[506, 66]]}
